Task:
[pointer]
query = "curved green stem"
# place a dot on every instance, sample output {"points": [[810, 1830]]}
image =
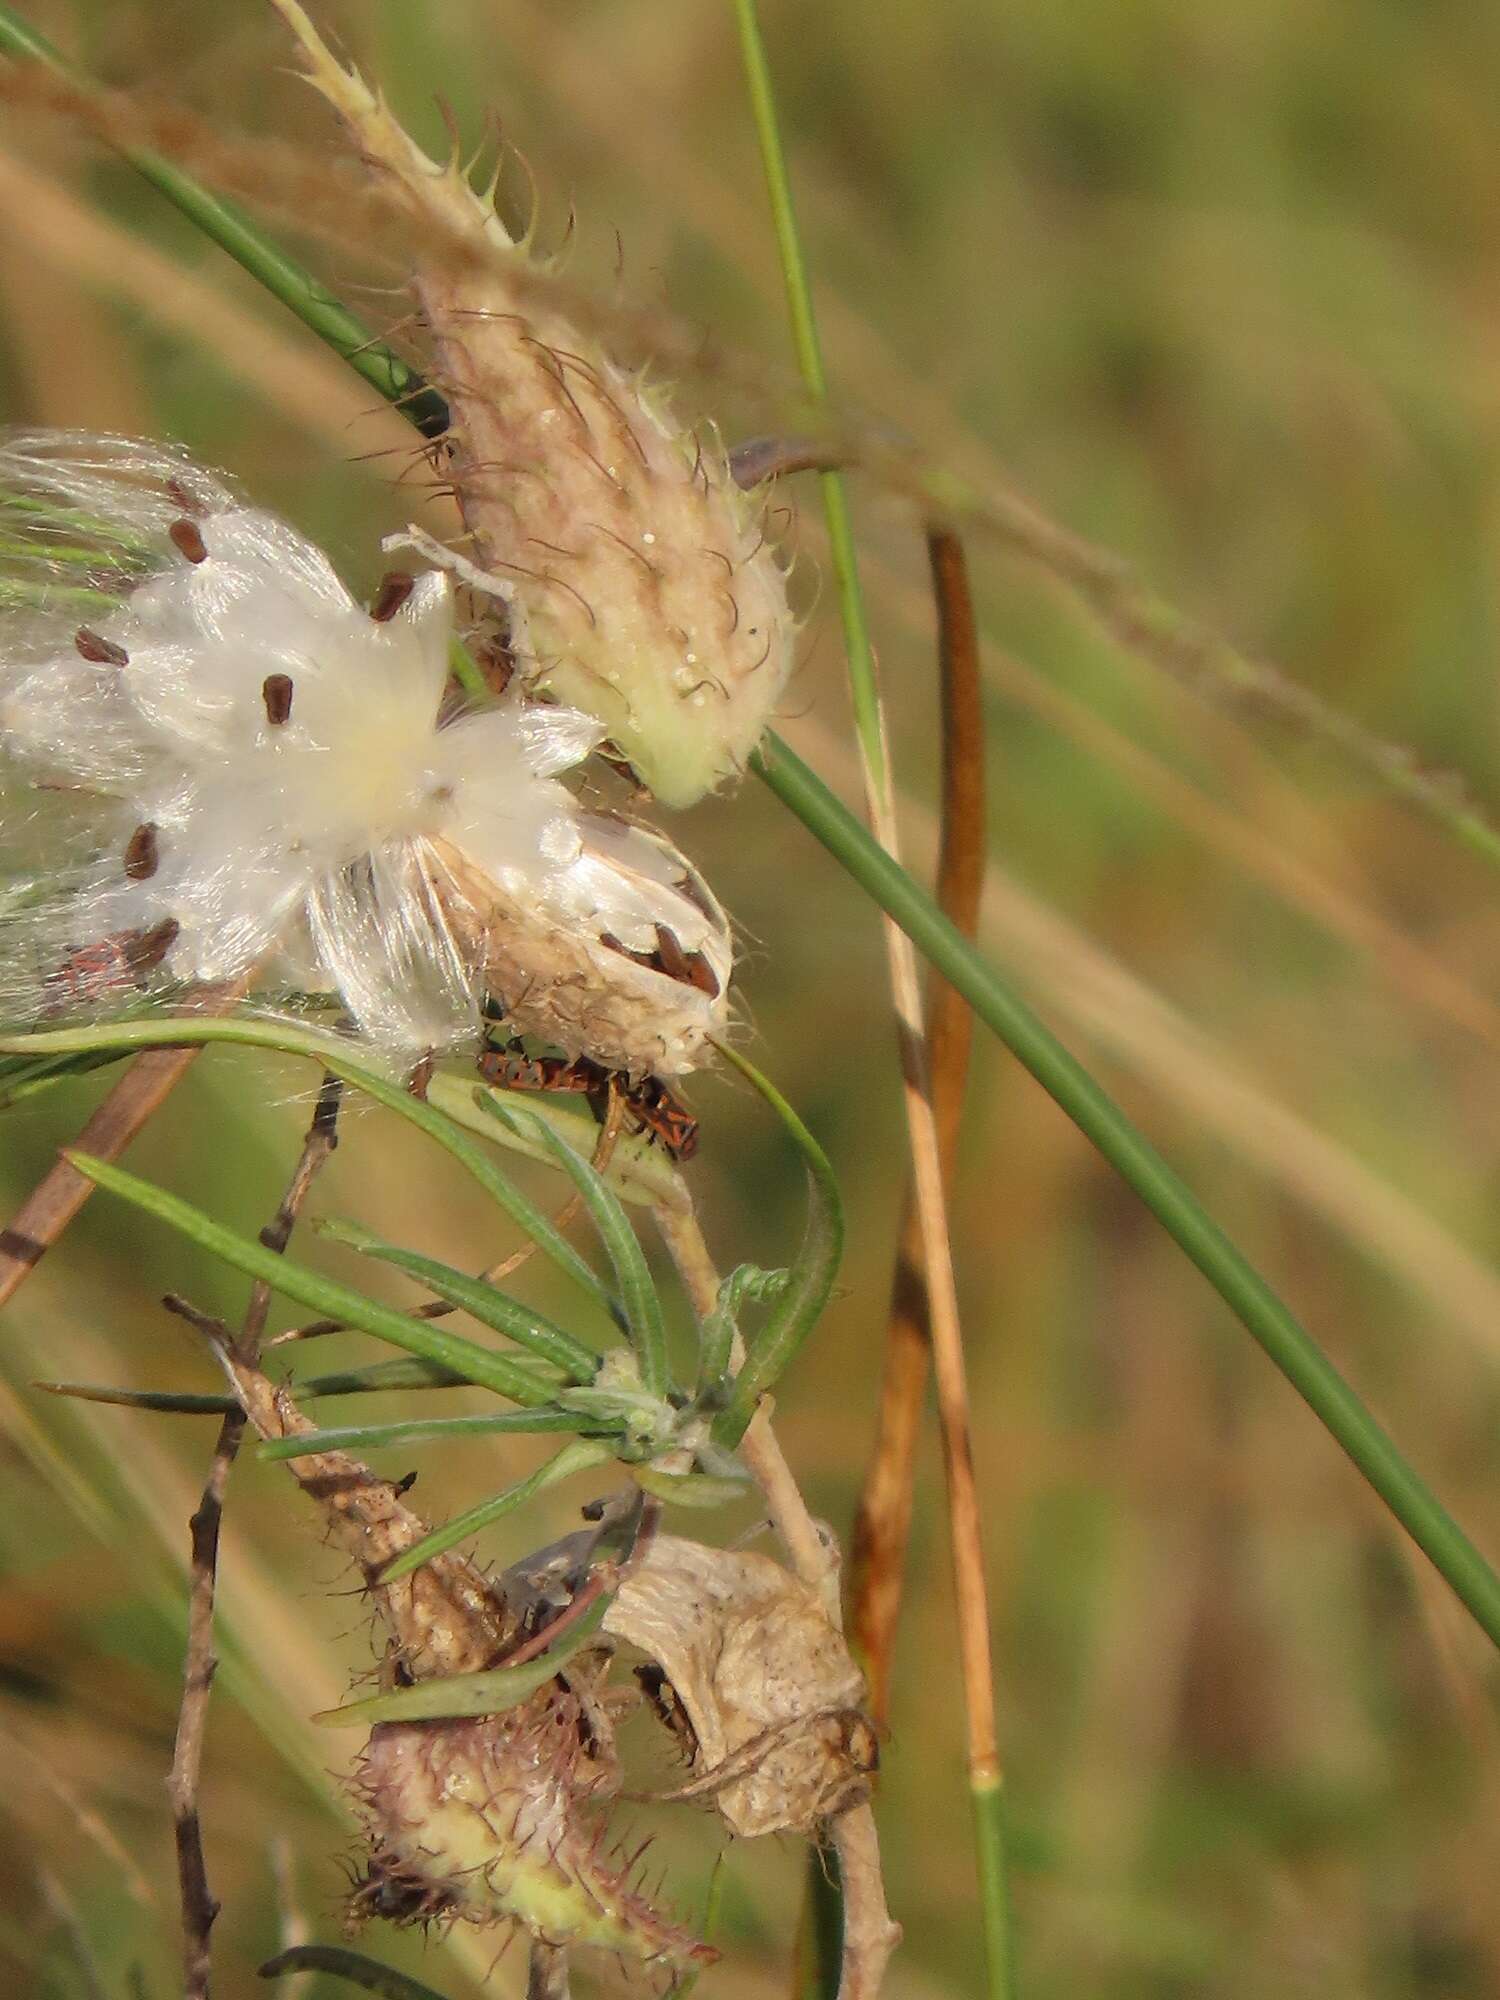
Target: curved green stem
{"points": [[283, 277]]}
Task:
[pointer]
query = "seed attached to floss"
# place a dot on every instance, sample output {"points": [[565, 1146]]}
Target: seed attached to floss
{"points": [[187, 539], [636, 578], [276, 692], [141, 854], [104, 652], [395, 587]]}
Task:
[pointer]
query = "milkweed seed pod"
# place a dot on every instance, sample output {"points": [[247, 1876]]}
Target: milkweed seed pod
{"points": [[776, 1734], [487, 1820], [228, 765], [637, 577]]}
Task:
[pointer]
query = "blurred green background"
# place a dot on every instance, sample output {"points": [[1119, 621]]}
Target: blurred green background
{"points": [[1221, 288]]}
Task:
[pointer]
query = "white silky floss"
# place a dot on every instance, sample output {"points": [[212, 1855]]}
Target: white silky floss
{"points": [[234, 768]]}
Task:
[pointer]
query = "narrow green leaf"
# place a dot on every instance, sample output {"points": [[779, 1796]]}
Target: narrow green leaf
{"points": [[716, 1335], [413, 1373], [643, 1316], [479, 1365], [421, 1430], [689, 1489], [490, 1306], [470, 1694], [572, 1458], [384, 1375], [809, 1281], [345, 1964], [172, 1402]]}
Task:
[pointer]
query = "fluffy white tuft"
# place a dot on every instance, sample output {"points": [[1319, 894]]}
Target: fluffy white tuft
{"points": [[221, 765]]}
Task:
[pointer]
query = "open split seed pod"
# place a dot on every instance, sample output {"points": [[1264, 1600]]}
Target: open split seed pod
{"points": [[778, 1736]]}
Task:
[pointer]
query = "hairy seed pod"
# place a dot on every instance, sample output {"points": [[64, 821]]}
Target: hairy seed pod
{"points": [[485, 1818], [637, 577], [491, 1820], [583, 967]]}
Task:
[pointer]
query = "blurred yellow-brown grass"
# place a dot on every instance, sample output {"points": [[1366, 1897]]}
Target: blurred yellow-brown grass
{"points": [[1219, 287]]}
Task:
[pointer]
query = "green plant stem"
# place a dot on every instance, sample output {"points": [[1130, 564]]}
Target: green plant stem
{"points": [[859, 653], [281, 275], [992, 1853], [1243, 1290]]}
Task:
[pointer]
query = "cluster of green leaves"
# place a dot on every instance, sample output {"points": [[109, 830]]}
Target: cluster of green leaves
{"points": [[618, 1402]]}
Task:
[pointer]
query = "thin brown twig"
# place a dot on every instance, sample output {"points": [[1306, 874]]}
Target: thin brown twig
{"points": [[62, 1190], [199, 1906], [930, 1216], [870, 1932], [492, 1274], [883, 1523]]}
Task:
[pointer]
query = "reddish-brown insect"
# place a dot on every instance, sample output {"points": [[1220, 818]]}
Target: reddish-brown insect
{"points": [[99, 971], [655, 1110]]}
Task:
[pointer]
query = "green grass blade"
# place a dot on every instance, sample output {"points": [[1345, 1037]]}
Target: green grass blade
{"points": [[421, 1430], [471, 1694], [809, 1281], [859, 653], [281, 275], [479, 1365], [351, 1965], [643, 1316], [1170, 1200], [435, 1118], [572, 1458], [489, 1305], [384, 1375]]}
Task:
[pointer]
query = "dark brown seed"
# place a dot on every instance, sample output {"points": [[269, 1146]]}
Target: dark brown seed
{"points": [[688, 968], [146, 949], [612, 943], [701, 975], [276, 693], [670, 955], [141, 855], [104, 651], [187, 540], [395, 587]]}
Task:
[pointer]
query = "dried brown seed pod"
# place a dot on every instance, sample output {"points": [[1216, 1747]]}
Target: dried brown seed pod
{"points": [[772, 1695]]}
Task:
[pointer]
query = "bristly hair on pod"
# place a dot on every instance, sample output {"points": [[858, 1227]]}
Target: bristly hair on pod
{"points": [[219, 764], [502, 1818], [636, 577]]}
